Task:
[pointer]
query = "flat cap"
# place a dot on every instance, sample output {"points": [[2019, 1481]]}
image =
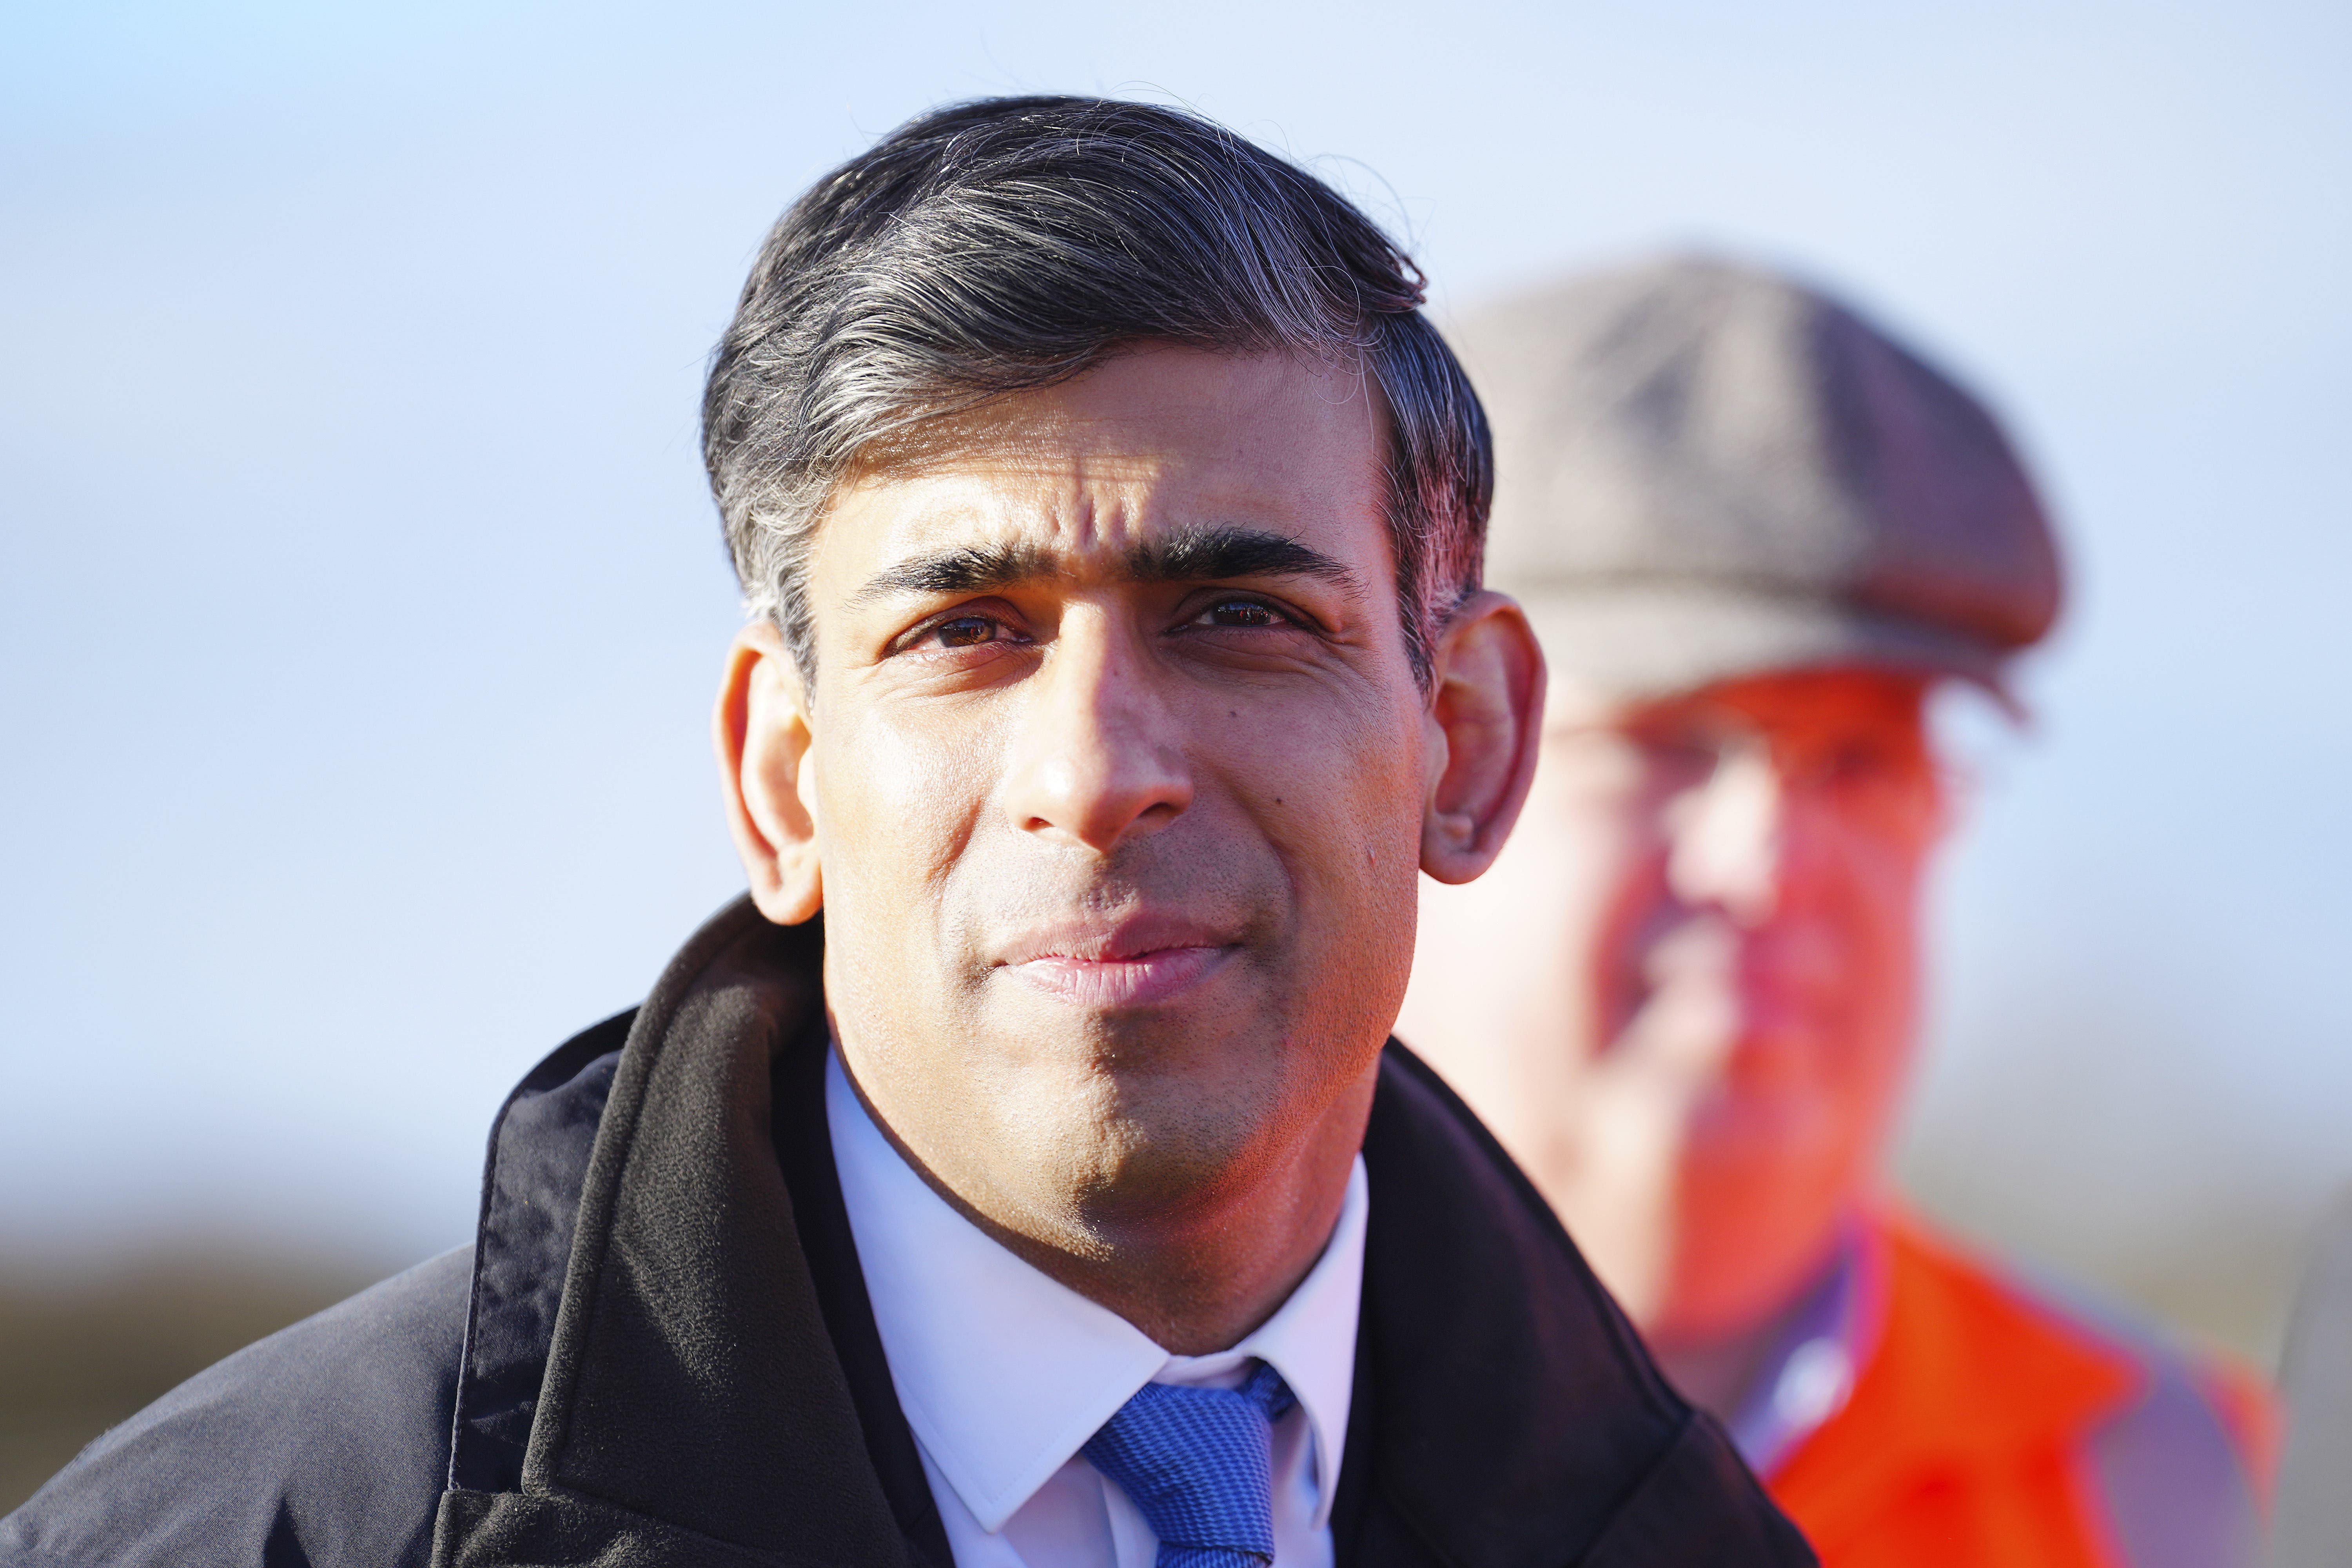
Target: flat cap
{"points": [[1704, 471]]}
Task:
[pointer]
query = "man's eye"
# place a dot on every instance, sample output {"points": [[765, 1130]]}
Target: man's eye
{"points": [[1682, 759], [1242, 612], [966, 631]]}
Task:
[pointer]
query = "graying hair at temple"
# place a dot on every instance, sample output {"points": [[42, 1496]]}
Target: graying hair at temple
{"points": [[1011, 244]]}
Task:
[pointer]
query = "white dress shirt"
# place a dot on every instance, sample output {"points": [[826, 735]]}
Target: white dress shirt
{"points": [[1004, 1374]]}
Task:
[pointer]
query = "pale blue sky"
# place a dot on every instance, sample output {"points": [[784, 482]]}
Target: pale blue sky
{"points": [[360, 598]]}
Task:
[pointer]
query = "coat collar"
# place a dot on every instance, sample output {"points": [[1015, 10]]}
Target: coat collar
{"points": [[693, 1407]]}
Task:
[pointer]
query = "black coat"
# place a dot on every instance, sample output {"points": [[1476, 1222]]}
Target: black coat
{"points": [[659, 1350]]}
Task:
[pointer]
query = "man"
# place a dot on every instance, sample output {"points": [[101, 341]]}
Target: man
{"points": [[1111, 521], [1752, 534]]}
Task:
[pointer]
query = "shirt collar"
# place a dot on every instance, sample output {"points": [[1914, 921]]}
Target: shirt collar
{"points": [[1812, 1368], [1004, 1373]]}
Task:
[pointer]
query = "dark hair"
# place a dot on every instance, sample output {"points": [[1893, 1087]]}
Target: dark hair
{"points": [[1013, 243]]}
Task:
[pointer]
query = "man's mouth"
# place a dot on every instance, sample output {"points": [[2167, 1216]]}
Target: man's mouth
{"points": [[1134, 963]]}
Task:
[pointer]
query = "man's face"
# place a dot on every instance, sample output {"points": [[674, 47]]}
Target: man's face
{"points": [[1684, 997], [1116, 774]]}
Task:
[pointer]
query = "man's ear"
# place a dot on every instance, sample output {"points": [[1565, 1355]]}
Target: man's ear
{"points": [[761, 730], [1486, 723]]}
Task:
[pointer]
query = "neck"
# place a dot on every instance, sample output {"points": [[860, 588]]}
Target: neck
{"points": [[1195, 1270], [1718, 1372]]}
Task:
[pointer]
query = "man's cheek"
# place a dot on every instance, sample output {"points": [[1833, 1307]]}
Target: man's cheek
{"points": [[892, 774], [1313, 789]]}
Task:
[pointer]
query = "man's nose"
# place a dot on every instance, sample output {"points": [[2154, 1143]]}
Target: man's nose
{"points": [[1097, 759], [1729, 837]]}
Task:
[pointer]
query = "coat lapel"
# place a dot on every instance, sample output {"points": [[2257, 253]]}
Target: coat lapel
{"points": [[693, 1409]]}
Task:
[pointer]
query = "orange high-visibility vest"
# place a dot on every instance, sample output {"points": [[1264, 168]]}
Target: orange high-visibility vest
{"points": [[1963, 1441]]}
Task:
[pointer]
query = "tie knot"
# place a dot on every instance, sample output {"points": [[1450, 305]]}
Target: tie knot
{"points": [[1198, 1464]]}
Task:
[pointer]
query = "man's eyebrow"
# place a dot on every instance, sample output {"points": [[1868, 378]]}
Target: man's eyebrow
{"points": [[1205, 553], [970, 569], [1213, 552]]}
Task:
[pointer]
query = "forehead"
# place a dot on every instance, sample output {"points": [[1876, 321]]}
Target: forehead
{"points": [[1793, 702], [1802, 708], [1157, 439], [1834, 697]]}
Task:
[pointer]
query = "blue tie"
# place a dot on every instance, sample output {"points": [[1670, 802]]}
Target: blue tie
{"points": [[1198, 1464]]}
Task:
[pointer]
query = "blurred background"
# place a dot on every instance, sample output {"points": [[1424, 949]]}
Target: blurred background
{"points": [[361, 601]]}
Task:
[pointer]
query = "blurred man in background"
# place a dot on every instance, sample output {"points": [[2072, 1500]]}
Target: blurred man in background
{"points": [[1754, 535]]}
